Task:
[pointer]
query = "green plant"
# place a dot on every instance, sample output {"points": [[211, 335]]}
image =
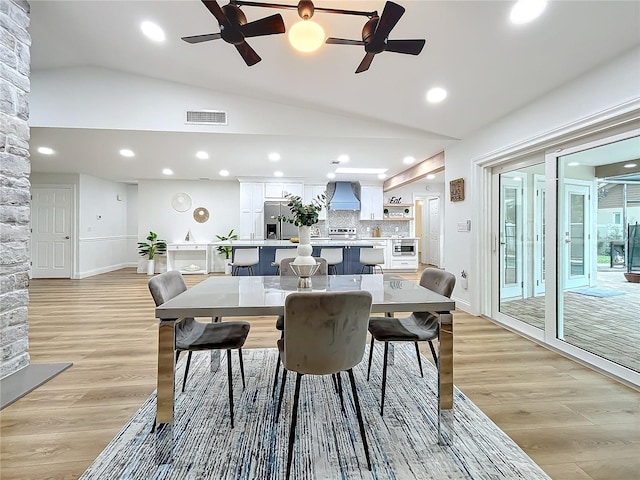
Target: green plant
{"points": [[303, 215], [152, 247], [226, 249]]}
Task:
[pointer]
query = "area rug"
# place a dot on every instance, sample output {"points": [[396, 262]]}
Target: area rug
{"points": [[598, 292], [403, 444]]}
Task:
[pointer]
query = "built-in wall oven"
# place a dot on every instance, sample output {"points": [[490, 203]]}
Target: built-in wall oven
{"points": [[404, 246]]}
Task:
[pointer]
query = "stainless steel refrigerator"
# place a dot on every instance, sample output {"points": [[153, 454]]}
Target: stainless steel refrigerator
{"points": [[275, 229]]}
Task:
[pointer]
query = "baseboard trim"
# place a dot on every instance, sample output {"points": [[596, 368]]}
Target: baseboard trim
{"points": [[27, 379]]}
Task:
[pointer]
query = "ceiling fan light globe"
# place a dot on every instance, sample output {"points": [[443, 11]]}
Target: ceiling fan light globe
{"points": [[306, 36]]}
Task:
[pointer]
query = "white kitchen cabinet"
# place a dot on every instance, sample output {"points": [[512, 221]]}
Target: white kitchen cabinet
{"points": [[311, 192], [409, 264], [251, 210], [371, 203], [281, 190], [188, 258]]}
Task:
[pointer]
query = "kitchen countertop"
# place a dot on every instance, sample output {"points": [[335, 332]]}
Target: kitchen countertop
{"points": [[287, 243]]}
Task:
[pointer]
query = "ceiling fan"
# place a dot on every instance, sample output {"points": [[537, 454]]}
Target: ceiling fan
{"points": [[234, 29], [375, 33]]}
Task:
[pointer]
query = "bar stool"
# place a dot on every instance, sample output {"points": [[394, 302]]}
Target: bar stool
{"points": [[333, 257], [372, 258], [244, 258], [281, 254]]}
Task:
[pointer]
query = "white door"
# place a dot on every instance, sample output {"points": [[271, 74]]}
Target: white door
{"points": [[433, 250], [511, 235], [576, 236], [539, 267], [51, 233]]}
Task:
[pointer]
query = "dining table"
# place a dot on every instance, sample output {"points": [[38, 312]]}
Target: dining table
{"points": [[246, 296]]}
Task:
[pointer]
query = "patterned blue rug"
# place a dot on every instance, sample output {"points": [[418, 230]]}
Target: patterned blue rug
{"points": [[403, 443]]}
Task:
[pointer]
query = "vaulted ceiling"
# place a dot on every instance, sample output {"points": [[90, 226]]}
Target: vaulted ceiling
{"points": [[489, 67]]}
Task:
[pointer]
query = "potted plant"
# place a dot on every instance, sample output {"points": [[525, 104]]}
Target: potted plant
{"points": [[304, 216], [226, 249], [152, 247]]}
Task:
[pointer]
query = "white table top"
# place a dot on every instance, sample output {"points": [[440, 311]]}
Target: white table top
{"points": [[265, 295]]}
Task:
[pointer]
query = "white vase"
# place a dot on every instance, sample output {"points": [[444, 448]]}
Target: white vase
{"points": [[151, 267], [304, 249], [227, 266]]}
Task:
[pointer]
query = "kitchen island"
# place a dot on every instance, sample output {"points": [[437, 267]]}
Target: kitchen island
{"points": [[267, 252]]}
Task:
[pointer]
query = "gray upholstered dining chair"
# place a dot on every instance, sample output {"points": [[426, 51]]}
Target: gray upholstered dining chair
{"points": [[244, 258], [417, 327], [192, 335], [371, 258], [286, 271], [325, 333]]}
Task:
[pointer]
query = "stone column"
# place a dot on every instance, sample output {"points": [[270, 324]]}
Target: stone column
{"points": [[15, 168]]}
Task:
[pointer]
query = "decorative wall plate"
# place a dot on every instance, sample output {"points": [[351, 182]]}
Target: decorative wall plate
{"points": [[181, 202], [201, 214]]}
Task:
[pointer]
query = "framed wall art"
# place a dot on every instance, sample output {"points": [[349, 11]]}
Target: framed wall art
{"points": [[456, 190]]}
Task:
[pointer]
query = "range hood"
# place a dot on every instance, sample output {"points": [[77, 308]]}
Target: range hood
{"points": [[345, 195]]}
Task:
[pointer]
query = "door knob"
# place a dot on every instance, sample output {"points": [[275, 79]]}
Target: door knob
{"points": [[67, 237]]}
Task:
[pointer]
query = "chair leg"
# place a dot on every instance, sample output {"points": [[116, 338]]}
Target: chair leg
{"points": [[362, 269], [359, 415], [433, 352], [186, 371], [229, 373], [241, 367], [384, 377], [275, 378], [335, 382], [340, 390], [419, 361], [370, 357], [294, 421], [284, 381]]}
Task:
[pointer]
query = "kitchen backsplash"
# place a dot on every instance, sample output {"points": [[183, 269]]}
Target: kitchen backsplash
{"points": [[349, 219]]}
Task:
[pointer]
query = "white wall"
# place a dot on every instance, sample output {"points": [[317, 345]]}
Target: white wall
{"points": [[156, 213], [604, 88], [103, 238], [105, 244]]}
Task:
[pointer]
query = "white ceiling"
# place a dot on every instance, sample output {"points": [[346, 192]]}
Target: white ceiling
{"points": [[489, 67]]}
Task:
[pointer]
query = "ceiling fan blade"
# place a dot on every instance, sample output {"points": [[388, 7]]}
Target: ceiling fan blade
{"points": [[343, 41], [410, 47], [217, 12], [201, 38], [248, 54], [390, 16], [265, 26], [365, 63]]}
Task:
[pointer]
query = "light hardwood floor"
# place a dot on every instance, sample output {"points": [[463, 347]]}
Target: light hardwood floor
{"points": [[575, 423]]}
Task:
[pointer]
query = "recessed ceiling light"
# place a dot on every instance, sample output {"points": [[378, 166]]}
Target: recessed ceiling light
{"points": [[45, 150], [167, 171], [125, 152], [202, 155], [277, 173], [382, 176], [525, 11], [408, 160], [331, 175], [224, 173], [152, 31], [572, 164], [436, 95], [343, 158], [630, 165], [374, 171], [431, 176], [274, 156]]}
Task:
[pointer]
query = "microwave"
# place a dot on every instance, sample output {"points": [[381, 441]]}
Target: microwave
{"points": [[403, 246]]}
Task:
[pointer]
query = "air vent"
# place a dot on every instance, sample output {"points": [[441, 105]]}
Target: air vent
{"points": [[207, 117]]}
